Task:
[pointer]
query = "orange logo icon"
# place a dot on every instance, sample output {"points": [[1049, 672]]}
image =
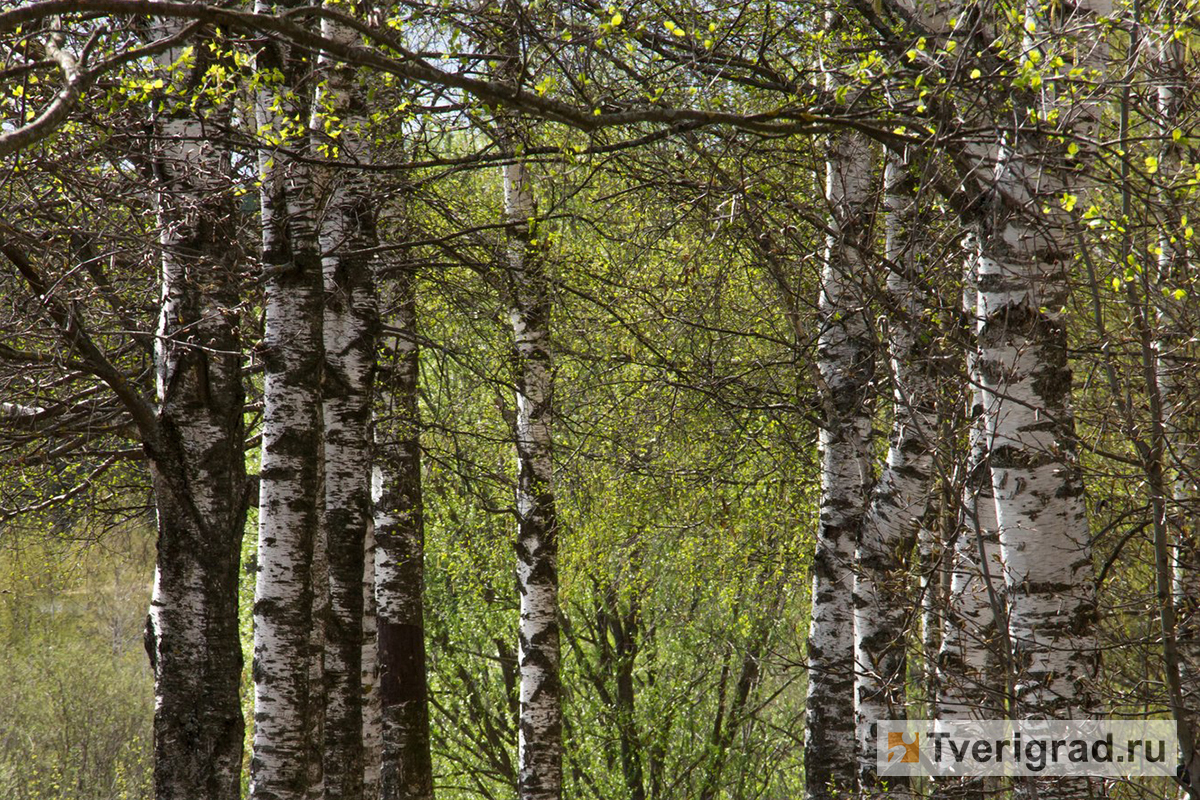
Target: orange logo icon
{"points": [[905, 752]]}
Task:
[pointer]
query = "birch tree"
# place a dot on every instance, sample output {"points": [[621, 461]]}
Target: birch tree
{"points": [[540, 733], [407, 770], [1173, 451], [970, 682], [291, 437], [191, 430], [349, 331], [845, 362], [1023, 233], [527, 285], [193, 624], [967, 659], [1023, 257], [901, 497]]}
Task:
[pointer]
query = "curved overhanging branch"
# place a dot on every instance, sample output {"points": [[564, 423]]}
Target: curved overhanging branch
{"points": [[785, 119], [74, 83], [76, 80]]}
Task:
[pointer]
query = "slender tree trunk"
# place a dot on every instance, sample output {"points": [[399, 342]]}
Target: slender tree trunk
{"points": [[192, 630], [845, 361], [931, 586], [289, 501], [407, 771], [350, 329], [969, 685], [540, 734], [1176, 398], [901, 498], [540, 723]]}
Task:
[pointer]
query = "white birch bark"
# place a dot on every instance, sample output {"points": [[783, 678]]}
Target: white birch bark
{"points": [[845, 362], [1044, 536], [349, 332], [197, 465], [933, 582], [1173, 351], [406, 771], [901, 497], [291, 443], [372, 729], [968, 682], [540, 724], [1024, 253]]}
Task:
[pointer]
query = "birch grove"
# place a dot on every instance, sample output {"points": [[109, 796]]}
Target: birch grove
{"points": [[432, 359]]}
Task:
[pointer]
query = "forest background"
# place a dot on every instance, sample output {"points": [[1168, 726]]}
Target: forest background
{"points": [[756, 337]]}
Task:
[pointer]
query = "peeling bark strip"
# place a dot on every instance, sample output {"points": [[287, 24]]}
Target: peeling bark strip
{"points": [[901, 497], [349, 332], [406, 772], [291, 443], [192, 629], [845, 360]]}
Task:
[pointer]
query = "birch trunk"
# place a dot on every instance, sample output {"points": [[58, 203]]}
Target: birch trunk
{"points": [[192, 629], [1176, 316], [901, 498], [540, 724], [845, 361], [539, 736], [968, 677], [969, 683], [406, 771], [291, 442], [1024, 252], [933, 583], [1044, 536], [372, 734], [350, 329]]}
